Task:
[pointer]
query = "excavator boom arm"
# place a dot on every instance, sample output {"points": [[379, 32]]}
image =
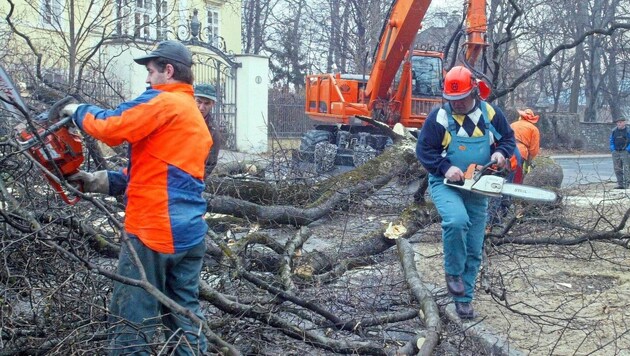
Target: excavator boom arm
{"points": [[398, 35], [400, 30], [476, 27], [338, 98]]}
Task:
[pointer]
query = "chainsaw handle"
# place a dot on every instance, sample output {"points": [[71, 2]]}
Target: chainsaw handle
{"points": [[77, 184], [49, 130], [483, 169], [488, 165], [54, 114], [455, 182], [57, 187]]}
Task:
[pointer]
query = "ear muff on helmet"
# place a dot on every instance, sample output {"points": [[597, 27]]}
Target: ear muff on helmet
{"points": [[484, 89], [460, 82]]}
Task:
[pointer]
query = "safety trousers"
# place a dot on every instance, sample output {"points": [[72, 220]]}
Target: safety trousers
{"points": [[463, 227], [135, 315]]}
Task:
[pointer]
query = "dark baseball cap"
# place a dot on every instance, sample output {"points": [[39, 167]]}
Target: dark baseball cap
{"points": [[206, 91], [172, 50]]}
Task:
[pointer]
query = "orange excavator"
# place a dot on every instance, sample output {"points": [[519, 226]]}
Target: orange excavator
{"points": [[390, 94]]}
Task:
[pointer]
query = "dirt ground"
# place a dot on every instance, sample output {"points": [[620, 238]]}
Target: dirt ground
{"points": [[556, 299], [559, 300]]}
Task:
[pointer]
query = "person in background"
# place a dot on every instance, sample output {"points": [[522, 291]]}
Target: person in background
{"points": [[528, 146], [527, 141], [163, 185], [206, 97], [620, 149], [464, 131]]}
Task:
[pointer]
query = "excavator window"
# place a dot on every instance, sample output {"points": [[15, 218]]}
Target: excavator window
{"points": [[426, 75]]}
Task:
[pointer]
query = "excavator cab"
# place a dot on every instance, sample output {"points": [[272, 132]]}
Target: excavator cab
{"points": [[426, 76]]}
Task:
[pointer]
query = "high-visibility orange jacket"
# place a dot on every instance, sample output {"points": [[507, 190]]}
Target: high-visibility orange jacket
{"points": [[168, 144], [527, 139]]}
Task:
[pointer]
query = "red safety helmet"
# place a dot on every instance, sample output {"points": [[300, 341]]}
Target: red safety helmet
{"points": [[458, 83]]}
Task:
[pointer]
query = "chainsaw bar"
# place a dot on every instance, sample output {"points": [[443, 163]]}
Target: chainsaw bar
{"points": [[495, 186], [528, 192]]}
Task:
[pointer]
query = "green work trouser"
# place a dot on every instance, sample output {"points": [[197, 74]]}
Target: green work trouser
{"points": [[135, 314]]}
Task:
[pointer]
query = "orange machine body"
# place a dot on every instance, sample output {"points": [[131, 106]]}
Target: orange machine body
{"points": [[404, 85]]}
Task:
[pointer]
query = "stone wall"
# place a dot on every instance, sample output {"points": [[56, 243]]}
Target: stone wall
{"points": [[564, 131]]}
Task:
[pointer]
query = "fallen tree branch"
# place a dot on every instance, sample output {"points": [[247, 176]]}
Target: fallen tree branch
{"points": [[264, 316], [347, 187], [287, 257], [430, 312]]}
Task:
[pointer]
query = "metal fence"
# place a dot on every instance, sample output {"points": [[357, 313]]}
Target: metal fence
{"points": [[104, 92], [286, 115]]}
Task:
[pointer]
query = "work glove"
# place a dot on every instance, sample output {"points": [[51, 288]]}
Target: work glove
{"points": [[69, 110], [499, 158], [93, 182]]}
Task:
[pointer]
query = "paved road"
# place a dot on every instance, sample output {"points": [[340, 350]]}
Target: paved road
{"points": [[586, 169]]}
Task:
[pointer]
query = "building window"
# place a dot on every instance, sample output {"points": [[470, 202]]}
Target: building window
{"points": [[149, 18], [213, 26], [50, 11], [142, 19], [122, 17], [161, 23]]}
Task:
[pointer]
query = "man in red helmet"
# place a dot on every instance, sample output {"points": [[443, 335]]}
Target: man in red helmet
{"points": [[463, 131]]}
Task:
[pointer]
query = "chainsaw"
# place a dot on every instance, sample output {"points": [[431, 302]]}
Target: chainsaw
{"points": [[488, 181], [53, 142]]}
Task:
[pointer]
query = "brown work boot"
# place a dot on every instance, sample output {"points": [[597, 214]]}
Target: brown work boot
{"points": [[455, 285], [464, 310]]}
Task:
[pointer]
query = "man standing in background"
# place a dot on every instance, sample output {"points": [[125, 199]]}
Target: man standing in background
{"points": [[527, 141], [206, 97], [620, 148]]}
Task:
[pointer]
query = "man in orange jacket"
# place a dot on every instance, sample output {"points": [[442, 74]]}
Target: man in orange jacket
{"points": [[163, 184], [527, 141]]}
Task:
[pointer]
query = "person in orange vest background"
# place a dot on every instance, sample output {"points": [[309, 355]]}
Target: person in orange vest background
{"points": [[527, 141], [528, 146]]}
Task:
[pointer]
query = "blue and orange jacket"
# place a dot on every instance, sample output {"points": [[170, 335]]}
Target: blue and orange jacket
{"points": [[168, 144]]}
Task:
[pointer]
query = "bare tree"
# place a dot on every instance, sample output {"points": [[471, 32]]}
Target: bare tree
{"points": [[304, 263], [256, 17], [287, 58]]}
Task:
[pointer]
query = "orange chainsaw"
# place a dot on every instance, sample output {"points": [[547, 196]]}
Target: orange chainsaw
{"points": [[57, 148], [51, 141]]}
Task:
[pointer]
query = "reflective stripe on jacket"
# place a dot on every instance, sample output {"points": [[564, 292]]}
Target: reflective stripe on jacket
{"points": [[169, 142]]}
